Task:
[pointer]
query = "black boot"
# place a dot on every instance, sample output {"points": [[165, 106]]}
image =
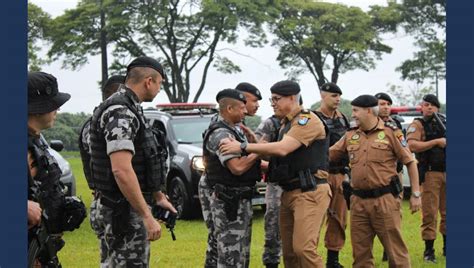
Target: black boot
{"points": [[384, 256], [429, 254], [333, 260], [444, 245], [271, 265]]}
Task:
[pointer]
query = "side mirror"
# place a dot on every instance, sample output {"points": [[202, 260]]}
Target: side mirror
{"points": [[57, 145]]}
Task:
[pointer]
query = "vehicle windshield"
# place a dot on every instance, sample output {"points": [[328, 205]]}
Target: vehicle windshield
{"points": [[189, 130]]}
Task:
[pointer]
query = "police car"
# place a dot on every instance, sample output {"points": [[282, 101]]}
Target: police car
{"points": [[184, 124], [406, 115]]}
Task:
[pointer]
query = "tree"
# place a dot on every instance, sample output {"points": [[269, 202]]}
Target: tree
{"points": [[317, 36], [183, 34], [38, 22], [425, 20], [66, 128]]}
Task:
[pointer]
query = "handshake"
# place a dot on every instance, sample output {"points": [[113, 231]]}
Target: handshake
{"points": [[168, 217]]}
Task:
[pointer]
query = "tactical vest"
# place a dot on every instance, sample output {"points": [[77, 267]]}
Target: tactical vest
{"points": [[217, 173], [147, 162], [434, 158], [337, 127], [313, 158], [85, 156]]}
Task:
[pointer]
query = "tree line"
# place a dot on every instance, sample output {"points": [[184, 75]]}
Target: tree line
{"points": [[323, 39]]}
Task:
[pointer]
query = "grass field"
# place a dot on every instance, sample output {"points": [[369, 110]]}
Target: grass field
{"points": [[81, 249]]}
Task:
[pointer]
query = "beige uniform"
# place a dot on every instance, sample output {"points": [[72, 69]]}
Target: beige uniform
{"points": [[302, 213], [373, 159], [433, 198]]}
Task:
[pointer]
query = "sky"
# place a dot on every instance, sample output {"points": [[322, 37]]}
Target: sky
{"points": [[259, 67]]}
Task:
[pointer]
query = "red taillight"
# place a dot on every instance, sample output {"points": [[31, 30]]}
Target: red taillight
{"points": [[405, 109]]}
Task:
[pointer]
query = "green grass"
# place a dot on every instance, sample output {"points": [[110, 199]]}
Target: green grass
{"points": [[82, 250]]}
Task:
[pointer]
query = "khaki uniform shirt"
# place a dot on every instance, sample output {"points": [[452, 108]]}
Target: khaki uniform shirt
{"points": [[415, 131], [306, 134], [372, 156]]}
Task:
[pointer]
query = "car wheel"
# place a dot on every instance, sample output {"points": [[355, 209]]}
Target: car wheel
{"points": [[180, 198]]}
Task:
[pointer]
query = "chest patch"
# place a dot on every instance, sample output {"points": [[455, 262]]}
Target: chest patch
{"points": [[381, 135], [355, 137]]}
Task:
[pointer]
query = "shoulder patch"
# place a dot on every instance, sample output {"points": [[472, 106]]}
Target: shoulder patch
{"points": [[303, 120], [411, 129]]}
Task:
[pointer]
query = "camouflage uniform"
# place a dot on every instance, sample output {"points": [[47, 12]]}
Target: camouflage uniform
{"points": [[233, 237], [272, 247], [205, 192], [120, 126]]}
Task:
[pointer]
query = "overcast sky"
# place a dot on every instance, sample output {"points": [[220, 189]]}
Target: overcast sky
{"points": [[260, 69]]}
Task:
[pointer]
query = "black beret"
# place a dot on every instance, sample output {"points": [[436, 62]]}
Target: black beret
{"points": [[147, 62], [43, 93], [331, 87], [384, 96], [285, 88], [231, 93], [432, 99], [114, 79], [365, 101], [247, 87]]}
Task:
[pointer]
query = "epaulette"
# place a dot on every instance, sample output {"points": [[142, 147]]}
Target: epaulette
{"points": [[391, 125]]}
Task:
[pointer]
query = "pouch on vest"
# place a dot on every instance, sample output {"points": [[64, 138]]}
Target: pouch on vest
{"points": [[307, 180], [231, 201], [121, 217]]}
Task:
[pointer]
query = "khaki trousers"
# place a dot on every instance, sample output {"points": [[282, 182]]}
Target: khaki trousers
{"points": [[377, 216], [433, 200], [301, 217]]}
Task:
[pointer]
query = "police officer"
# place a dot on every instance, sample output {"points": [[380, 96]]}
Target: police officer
{"points": [[267, 131], [337, 124], [125, 168], [300, 164], [375, 207], [427, 140], [232, 177], [110, 87], [45, 191], [385, 105], [252, 96]]}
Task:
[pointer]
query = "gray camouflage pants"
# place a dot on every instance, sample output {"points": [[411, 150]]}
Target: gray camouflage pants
{"points": [[272, 247], [130, 250], [233, 237], [205, 193]]}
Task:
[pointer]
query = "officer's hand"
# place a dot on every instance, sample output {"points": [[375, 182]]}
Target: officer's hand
{"points": [[152, 227], [249, 134], [34, 213], [232, 147], [166, 204], [442, 142], [415, 204]]}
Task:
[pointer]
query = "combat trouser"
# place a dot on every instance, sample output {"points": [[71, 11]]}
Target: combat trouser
{"points": [[130, 249], [233, 237], [337, 214], [433, 199], [272, 247], [301, 217], [205, 193]]}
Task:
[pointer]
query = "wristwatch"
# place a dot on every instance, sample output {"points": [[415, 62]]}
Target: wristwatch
{"points": [[243, 146], [416, 194]]}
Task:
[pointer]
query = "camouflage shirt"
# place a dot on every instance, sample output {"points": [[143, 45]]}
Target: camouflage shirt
{"points": [[267, 130], [120, 125], [86, 136], [214, 139]]}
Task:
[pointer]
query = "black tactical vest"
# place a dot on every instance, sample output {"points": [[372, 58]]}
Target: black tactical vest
{"points": [[148, 161], [337, 127], [313, 158], [217, 173], [434, 158], [85, 155]]}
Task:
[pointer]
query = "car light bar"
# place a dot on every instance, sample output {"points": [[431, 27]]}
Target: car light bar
{"points": [[405, 109], [185, 106]]}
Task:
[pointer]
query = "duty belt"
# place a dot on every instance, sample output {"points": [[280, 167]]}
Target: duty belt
{"points": [[372, 193], [295, 184], [110, 200]]}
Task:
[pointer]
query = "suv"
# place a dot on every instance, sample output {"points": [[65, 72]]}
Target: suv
{"points": [[406, 115], [184, 124], [67, 178]]}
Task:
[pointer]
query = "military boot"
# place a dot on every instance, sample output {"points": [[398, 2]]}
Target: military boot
{"points": [[333, 260], [429, 255]]}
